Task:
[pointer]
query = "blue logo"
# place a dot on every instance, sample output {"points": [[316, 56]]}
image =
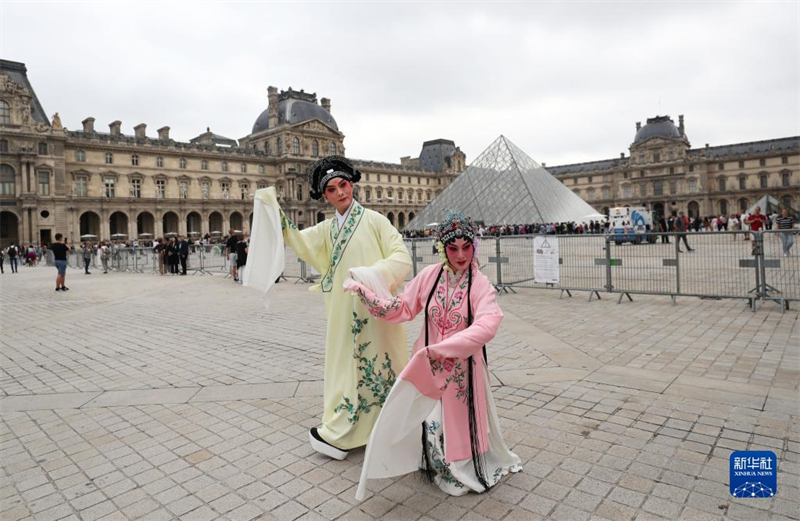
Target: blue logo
{"points": [[754, 473], [638, 219]]}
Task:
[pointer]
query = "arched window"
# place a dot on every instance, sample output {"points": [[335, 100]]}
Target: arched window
{"points": [[378, 194], [743, 205], [182, 163], [333, 148], [280, 146], [390, 193], [295, 145], [135, 159], [5, 113], [7, 180], [368, 194], [315, 148], [224, 166], [109, 158], [203, 165]]}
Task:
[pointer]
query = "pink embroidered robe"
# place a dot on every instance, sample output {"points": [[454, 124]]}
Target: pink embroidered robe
{"points": [[439, 374]]}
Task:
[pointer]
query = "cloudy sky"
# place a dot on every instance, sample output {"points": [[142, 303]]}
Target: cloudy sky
{"points": [[564, 81]]}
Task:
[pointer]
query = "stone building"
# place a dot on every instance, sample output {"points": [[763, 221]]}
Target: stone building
{"points": [[110, 184], [665, 174]]}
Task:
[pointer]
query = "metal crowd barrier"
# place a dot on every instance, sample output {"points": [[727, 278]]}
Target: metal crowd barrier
{"points": [[736, 264]]}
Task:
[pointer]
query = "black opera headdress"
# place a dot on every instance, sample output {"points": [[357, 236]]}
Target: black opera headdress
{"points": [[327, 168]]}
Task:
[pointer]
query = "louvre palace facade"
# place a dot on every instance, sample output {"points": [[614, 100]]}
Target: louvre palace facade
{"points": [[663, 173], [112, 184]]}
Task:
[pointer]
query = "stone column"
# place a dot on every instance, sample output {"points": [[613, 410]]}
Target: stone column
{"points": [[182, 224], [133, 231], [204, 224], [158, 225], [105, 226]]}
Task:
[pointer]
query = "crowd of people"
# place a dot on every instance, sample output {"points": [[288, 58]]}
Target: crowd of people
{"points": [[498, 230]]}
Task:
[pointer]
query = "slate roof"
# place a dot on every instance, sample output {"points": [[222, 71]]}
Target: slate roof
{"points": [[19, 75]]}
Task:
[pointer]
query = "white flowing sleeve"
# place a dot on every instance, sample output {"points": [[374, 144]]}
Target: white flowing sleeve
{"points": [[265, 259]]}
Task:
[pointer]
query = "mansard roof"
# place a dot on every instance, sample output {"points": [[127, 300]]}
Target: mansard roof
{"points": [[19, 75]]}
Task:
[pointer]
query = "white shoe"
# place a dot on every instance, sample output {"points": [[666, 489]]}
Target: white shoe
{"points": [[323, 447]]}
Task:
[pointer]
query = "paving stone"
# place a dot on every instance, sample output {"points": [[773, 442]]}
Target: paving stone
{"points": [[140, 431]]}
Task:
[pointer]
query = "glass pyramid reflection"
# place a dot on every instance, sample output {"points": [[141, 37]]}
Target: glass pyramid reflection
{"points": [[505, 186]]}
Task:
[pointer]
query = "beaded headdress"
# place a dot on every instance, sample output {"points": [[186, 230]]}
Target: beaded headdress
{"points": [[327, 168], [455, 226]]}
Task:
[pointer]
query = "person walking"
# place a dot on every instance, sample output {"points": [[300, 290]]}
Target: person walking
{"points": [[242, 248], [681, 226], [59, 249], [2, 260], [230, 252], [87, 257], [13, 252], [785, 225]]}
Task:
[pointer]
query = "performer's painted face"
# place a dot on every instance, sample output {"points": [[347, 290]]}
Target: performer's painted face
{"points": [[339, 192], [459, 253]]}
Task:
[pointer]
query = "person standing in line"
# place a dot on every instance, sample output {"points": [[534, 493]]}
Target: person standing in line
{"points": [[241, 256], [662, 226], [2, 260], [104, 255], [160, 253], [757, 221], [183, 253], [682, 226], [172, 256], [230, 252], [785, 225], [87, 257], [59, 249], [13, 251]]}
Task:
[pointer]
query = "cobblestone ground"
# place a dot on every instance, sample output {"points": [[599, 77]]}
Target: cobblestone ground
{"points": [[145, 397]]}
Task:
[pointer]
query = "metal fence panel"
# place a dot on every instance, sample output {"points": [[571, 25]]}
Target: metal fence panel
{"points": [[781, 272], [581, 262]]}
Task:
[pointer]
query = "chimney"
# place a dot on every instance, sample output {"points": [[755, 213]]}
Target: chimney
{"points": [[638, 126], [115, 127], [272, 107], [681, 128], [163, 133], [140, 130], [326, 104], [622, 155], [88, 125]]}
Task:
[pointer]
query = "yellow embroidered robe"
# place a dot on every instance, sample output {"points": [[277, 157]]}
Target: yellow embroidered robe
{"points": [[363, 355]]}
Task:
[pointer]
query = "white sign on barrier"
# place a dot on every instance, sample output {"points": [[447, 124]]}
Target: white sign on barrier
{"points": [[545, 259]]}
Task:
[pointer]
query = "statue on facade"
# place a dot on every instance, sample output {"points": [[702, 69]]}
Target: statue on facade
{"points": [[57, 122]]}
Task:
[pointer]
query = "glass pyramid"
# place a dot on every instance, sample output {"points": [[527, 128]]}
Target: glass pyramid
{"points": [[505, 186]]}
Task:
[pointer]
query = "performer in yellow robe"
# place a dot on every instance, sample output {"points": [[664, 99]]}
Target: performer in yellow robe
{"points": [[363, 355]]}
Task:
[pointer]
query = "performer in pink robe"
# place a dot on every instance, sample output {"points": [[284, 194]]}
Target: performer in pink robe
{"points": [[444, 391]]}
